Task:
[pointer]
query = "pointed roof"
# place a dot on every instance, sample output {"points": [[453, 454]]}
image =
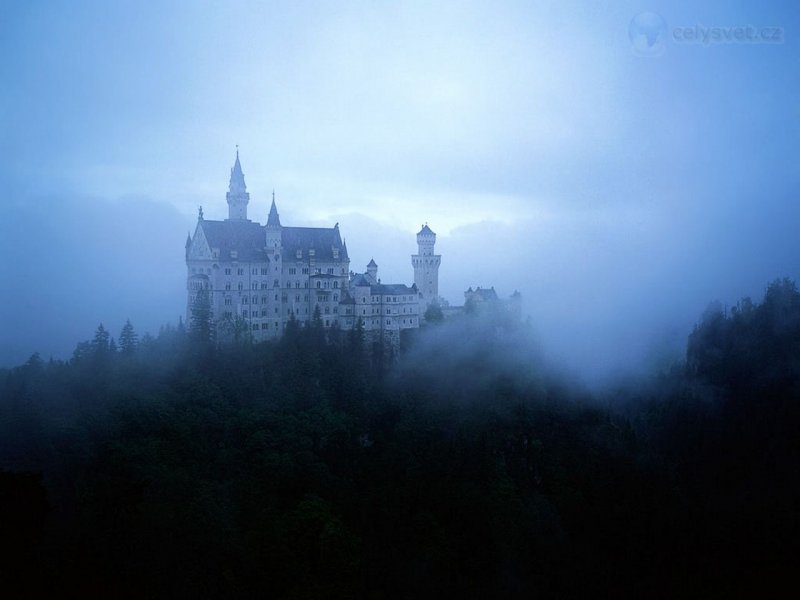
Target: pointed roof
{"points": [[274, 219], [426, 230], [188, 239], [237, 184], [372, 263]]}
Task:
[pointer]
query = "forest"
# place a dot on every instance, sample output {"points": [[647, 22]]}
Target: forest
{"points": [[465, 466]]}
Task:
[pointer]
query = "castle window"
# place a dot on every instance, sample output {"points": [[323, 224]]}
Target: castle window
{"points": [[241, 286], [244, 300], [330, 270], [240, 271], [327, 310], [264, 285], [336, 297], [276, 310], [327, 323], [228, 302], [292, 270], [297, 284], [228, 314], [364, 300], [336, 284], [227, 271], [263, 312], [228, 285], [263, 299], [264, 271], [305, 270], [297, 298], [336, 310], [255, 299], [276, 283], [276, 297], [319, 284], [326, 285], [254, 285], [244, 313], [305, 284]]}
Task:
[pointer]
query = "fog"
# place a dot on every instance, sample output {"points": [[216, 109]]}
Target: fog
{"points": [[619, 193]]}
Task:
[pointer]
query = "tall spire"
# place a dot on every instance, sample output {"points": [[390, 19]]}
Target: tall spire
{"points": [[274, 219], [238, 198], [237, 185]]}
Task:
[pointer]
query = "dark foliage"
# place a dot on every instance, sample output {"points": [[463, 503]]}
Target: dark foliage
{"points": [[304, 469]]}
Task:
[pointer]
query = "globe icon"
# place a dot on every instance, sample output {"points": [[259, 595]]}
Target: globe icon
{"points": [[648, 34]]}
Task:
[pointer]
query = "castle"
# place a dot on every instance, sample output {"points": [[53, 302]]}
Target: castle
{"points": [[259, 277]]}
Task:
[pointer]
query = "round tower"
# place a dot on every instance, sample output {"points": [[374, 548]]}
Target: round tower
{"points": [[426, 266]]}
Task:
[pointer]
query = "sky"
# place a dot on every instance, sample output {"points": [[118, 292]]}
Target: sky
{"points": [[619, 188]]}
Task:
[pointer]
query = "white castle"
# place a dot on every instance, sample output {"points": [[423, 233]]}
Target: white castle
{"points": [[259, 277]]}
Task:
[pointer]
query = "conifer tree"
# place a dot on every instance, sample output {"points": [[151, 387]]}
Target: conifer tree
{"points": [[128, 340], [200, 325]]}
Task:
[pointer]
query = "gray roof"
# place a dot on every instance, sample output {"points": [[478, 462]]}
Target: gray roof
{"points": [[248, 239], [245, 237], [372, 263], [391, 289], [426, 230], [321, 240], [360, 280]]}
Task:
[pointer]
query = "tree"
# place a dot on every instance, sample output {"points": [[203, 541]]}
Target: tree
{"points": [[128, 340], [434, 314], [234, 327], [200, 325], [100, 343]]}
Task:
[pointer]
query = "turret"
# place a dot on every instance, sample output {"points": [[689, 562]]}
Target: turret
{"points": [[237, 195], [372, 270], [273, 227], [426, 266]]}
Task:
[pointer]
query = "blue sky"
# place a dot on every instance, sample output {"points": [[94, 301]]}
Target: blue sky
{"points": [[620, 193]]}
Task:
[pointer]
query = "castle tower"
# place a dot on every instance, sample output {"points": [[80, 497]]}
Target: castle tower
{"points": [[273, 227], [372, 270], [237, 195], [426, 266]]}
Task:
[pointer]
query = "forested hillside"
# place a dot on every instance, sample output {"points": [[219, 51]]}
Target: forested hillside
{"points": [[308, 468]]}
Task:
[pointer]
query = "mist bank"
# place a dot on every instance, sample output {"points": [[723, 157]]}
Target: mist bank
{"points": [[78, 261], [608, 293]]}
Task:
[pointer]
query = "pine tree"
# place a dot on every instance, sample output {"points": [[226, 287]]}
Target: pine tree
{"points": [[200, 325], [100, 342], [128, 340]]}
